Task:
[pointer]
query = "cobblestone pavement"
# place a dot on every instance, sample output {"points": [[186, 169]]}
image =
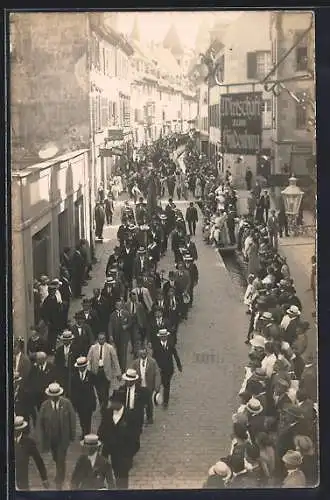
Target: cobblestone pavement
{"points": [[194, 432]]}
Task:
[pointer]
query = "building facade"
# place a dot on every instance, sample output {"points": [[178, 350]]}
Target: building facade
{"points": [[294, 140], [241, 68], [110, 98], [70, 91], [50, 210]]}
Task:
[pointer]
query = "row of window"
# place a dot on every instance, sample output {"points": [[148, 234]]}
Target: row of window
{"points": [[109, 60], [107, 113], [259, 63]]}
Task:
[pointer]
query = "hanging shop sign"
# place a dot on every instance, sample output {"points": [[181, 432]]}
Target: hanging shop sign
{"points": [[241, 122], [115, 134]]}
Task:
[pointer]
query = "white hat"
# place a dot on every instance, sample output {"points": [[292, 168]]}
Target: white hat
{"points": [[81, 362], [258, 341], [254, 406], [54, 389], [293, 311], [19, 423], [267, 315], [91, 440], [157, 398], [130, 375], [163, 332], [219, 469]]}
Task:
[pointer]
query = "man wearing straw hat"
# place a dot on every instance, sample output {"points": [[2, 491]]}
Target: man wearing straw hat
{"points": [[83, 395], [164, 351], [92, 471], [26, 448], [57, 420]]}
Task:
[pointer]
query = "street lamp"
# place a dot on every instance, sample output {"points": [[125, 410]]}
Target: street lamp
{"points": [[292, 197]]}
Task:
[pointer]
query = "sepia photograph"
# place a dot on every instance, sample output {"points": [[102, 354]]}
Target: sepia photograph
{"points": [[164, 270]]}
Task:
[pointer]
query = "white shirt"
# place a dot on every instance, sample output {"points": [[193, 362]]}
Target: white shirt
{"points": [[79, 330], [83, 374], [142, 261], [55, 405], [101, 360], [92, 458], [248, 294], [66, 350], [130, 396], [286, 321], [164, 344], [267, 364], [17, 360], [58, 296], [43, 292], [18, 438], [143, 368], [117, 414]]}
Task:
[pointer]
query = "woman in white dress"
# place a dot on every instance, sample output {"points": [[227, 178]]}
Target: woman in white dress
{"points": [[198, 188]]}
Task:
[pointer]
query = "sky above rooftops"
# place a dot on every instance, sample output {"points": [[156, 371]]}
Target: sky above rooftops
{"points": [[153, 26]]}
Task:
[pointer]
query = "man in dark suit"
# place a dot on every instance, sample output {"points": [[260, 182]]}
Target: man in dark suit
{"points": [[308, 380], [194, 276], [172, 313], [92, 471], [41, 375], [149, 376], [118, 329], [98, 308], [182, 284], [99, 220], [127, 255], [26, 448], [192, 218], [83, 337], [191, 247], [139, 320], [141, 263], [119, 435], [157, 321], [133, 396], [77, 267], [164, 352], [113, 260], [83, 395], [66, 294], [51, 313], [267, 205], [64, 361]]}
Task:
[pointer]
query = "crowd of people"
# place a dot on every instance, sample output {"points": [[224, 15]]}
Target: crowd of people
{"points": [[274, 439], [120, 351]]}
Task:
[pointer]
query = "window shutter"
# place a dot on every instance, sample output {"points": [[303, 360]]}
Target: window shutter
{"points": [[251, 62], [104, 112]]}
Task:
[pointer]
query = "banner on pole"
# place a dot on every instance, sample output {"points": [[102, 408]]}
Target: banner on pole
{"points": [[241, 122]]}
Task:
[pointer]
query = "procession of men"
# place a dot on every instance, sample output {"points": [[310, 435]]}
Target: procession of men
{"points": [[117, 356]]}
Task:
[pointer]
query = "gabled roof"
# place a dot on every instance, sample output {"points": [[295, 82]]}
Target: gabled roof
{"points": [[172, 41]]}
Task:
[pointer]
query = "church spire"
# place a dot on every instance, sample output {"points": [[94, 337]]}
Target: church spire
{"points": [[172, 41]]}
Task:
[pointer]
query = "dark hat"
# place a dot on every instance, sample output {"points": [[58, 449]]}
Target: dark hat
{"points": [[118, 397]]}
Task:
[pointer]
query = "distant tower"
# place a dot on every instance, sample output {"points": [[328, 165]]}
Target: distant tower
{"points": [[172, 42], [135, 34]]}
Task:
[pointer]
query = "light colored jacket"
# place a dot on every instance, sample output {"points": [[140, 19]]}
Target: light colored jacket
{"points": [[110, 361], [152, 373]]}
